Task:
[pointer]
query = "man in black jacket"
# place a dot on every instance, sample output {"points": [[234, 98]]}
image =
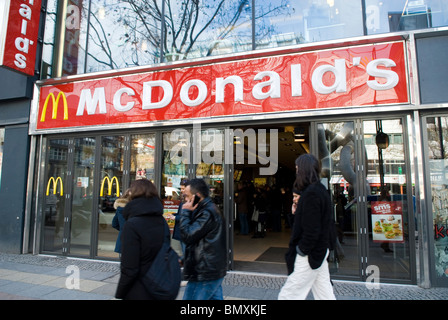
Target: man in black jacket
{"points": [[202, 230]]}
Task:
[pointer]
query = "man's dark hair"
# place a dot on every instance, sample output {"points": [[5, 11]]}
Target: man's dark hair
{"points": [[199, 186]]}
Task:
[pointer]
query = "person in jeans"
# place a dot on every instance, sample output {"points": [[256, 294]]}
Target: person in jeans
{"points": [[310, 237], [202, 229]]}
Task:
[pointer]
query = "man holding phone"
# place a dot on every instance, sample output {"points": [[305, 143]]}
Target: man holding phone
{"points": [[202, 231]]}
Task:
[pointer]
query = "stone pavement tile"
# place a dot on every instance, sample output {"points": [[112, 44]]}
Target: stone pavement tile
{"points": [[38, 278], [15, 287], [21, 267], [7, 296], [89, 285], [113, 279], [15, 276], [59, 282], [107, 289], [5, 272], [66, 294], [4, 281], [37, 291]]}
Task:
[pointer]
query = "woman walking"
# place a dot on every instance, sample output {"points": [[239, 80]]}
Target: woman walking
{"points": [[142, 238], [310, 238]]}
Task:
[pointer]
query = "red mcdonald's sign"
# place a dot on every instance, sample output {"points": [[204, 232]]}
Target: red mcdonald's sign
{"points": [[362, 75], [19, 27]]}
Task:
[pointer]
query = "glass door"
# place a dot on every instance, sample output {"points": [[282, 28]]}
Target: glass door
{"points": [[143, 156], [55, 195], [338, 153], [82, 196], [176, 158], [388, 200], [436, 134], [211, 165], [111, 185], [365, 169]]}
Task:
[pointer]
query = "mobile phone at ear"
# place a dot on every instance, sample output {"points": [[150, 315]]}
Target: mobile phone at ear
{"points": [[195, 200]]}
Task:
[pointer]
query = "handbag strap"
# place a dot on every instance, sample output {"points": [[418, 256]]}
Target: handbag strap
{"points": [[166, 235]]}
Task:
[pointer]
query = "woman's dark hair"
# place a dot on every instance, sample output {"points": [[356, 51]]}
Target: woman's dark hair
{"points": [[143, 188], [308, 171], [198, 186]]}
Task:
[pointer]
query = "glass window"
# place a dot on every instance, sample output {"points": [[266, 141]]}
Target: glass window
{"points": [[112, 158], [54, 200], [82, 196], [388, 214], [123, 34], [49, 40], [288, 22], [437, 131], [142, 156], [204, 28], [113, 34], [2, 141], [398, 15]]}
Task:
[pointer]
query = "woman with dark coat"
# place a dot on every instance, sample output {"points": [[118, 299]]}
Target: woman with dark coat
{"points": [[142, 238], [310, 238]]}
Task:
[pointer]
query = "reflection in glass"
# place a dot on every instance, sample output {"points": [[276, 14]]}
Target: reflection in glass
{"points": [[337, 155], [387, 201], [211, 168], [205, 28], [142, 156], [437, 130], [82, 197], [400, 15], [54, 197], [112, 157], [120, 34], [176, 157], [2, 141], [280, 23]]}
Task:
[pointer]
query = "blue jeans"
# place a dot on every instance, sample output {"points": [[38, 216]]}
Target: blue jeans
{"points": [[204, 290], [244, 224]]}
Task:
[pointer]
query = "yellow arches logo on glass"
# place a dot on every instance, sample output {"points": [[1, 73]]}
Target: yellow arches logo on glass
{"points": [[110, 183], [55, 182], [55, 105]]}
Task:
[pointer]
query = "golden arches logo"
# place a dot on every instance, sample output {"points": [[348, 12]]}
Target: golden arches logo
{"points": [[55, 183], [110, 183], [55, 103]]}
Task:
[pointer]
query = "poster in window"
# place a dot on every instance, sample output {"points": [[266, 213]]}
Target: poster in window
{"points": [[387, 221]]}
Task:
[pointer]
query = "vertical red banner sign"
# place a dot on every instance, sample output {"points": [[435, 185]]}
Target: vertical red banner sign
{"points": [[22, 28]]}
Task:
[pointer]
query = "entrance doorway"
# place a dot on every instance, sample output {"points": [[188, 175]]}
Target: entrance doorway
{"points": [[262, 202], [365, 168]]}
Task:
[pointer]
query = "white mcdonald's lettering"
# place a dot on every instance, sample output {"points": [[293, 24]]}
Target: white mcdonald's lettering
{"points": [[110, 183], [91, 103], [268, 86], [54, 182]]}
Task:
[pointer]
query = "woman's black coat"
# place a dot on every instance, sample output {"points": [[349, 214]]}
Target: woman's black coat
{"points": [[311, 229], [142, 238]]}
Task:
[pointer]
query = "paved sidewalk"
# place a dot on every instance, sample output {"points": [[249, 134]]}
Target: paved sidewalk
{"points": [[28, 277]]}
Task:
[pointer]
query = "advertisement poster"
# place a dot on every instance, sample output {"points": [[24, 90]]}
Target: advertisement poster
{"points": [[387, 221], [170, 208]]}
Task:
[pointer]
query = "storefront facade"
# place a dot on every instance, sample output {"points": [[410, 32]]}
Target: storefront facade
{"points": [[99, 134], [370, 107]]}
